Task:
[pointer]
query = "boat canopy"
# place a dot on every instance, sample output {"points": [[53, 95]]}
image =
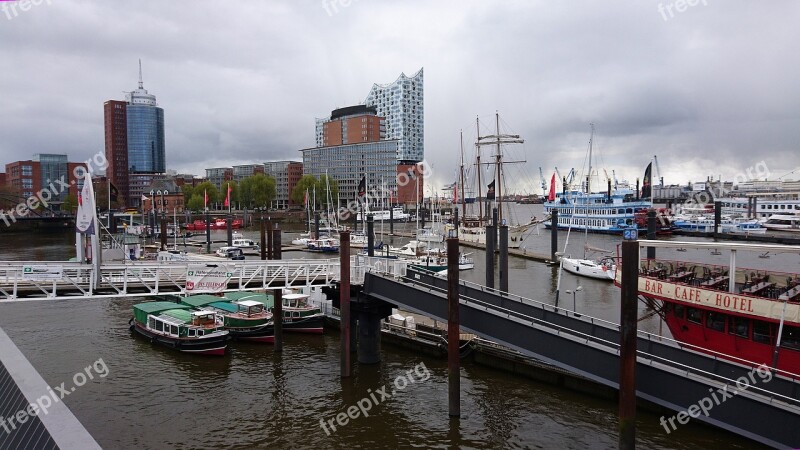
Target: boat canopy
{"points": [[181, 314], [200, 300], [142, 310]]}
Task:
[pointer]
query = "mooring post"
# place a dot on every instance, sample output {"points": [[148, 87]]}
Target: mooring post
{"points": [[490, 231], [553, 235], [163, 234], [453, 330], [263, 242], [755, 207], [229, 227], [496, 229], [112, 223], [344, 301], [651, 232], [269, 239], [504, 258], [717, 218], [391, 219], [627, 360], [276, 243], [455, 222], [277, 318], [316, 225], [208, 232], [371, 236]]}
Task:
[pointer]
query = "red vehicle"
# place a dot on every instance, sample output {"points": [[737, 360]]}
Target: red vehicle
{"points": [[747, 314]]}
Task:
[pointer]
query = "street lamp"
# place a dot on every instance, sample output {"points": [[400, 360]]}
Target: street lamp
{"points": [[574, 293]]}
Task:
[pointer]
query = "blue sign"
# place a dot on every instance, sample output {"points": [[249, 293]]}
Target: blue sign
{"points": [[630, 235]]}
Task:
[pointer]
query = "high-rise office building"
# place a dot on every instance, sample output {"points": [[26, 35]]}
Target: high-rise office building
{"points": [[401, 103], [134, 141]]}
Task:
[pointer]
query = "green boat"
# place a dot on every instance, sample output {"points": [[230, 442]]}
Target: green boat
{"points": [[177, 326], [243, 319], [298, 315]]}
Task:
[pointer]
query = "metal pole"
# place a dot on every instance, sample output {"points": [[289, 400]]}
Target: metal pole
{"points": [[504, 258], [627, 360], [344, 301], [651, 232], [263, 242], [371, 236], [490, 231], [277, 318], [553, 234], [453, 329]]}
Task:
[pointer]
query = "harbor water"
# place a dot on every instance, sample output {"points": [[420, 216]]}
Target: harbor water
{"points": [[254, 398]]}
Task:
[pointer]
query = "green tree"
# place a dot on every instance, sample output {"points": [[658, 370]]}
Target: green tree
{"points": [[257, 191], [70, 203], [188, 192], [305, 183], [195, 203], [206, 186]]}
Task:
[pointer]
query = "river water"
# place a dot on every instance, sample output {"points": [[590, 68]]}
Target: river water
{"points": [[254, 398]]}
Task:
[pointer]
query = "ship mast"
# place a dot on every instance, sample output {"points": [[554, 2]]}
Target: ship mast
{"points": [[498, 139], [589, 177], [478, 169], [463, 193]]}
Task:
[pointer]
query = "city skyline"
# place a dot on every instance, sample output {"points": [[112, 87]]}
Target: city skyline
{"points": [[709, 89]]}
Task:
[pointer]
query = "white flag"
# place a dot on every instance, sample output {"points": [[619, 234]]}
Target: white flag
{"points": [[87, 213]]}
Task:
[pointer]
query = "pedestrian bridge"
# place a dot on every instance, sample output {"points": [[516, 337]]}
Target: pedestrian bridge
{"points": [[668, 373]]}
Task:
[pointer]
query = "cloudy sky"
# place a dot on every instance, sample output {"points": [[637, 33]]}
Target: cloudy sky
{"points": [[712, 89]]}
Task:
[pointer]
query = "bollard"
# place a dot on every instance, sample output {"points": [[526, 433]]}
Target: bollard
{"points": [[489, 256], [263, 242], [370, 236], [453, 330], [208, 232], [504, 258], [277, 318], [628, 323], [651, 232], [344, 301], [553, 235]]}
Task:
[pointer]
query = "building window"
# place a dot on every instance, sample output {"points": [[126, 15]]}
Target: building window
{"points": [[27, 171]]}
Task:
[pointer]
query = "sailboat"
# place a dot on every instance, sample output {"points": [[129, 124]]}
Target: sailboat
{"points": [[471, 228]]}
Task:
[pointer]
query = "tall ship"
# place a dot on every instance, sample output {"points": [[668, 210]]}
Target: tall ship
{"points": [[612, 211], [472, 227], [741, 313]]}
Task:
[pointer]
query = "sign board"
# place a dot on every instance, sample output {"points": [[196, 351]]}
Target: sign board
{"points": [[630, 235], [42, 272], [207, 278]]}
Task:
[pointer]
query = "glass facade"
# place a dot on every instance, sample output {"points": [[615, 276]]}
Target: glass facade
{"points": [[401, 103], [347, 164], [53, 167], [146, 139]]}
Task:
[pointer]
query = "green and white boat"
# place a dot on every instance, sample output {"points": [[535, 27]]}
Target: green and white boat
{"points": [[243, 319], [298, 315], [179, 327]]}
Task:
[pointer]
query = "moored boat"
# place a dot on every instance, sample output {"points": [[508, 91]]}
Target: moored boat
{"points": [[745, 314], [178, 327], [604, 269], [298, 315], [243, 319]]}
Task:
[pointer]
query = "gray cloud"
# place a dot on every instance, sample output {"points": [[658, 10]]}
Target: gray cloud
{"points": [[711, 90]]}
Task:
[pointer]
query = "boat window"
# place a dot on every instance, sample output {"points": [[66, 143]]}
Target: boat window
{"points": [[715, 321], [201, 332], [159, 325], [739, 326], [151, 323], [791, 337], [680, 311], [192, 333], [694, 315], [762, 332], [783, 206], [173, 329]]}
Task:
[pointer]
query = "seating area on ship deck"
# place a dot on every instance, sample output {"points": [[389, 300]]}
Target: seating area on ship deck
{"points": [[768, 284]]}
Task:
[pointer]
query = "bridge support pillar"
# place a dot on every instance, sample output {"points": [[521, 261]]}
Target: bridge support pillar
{"points": [[453, 330], [628, 324], [344, 301], [504, 258], [277, 318], [369, 337]]}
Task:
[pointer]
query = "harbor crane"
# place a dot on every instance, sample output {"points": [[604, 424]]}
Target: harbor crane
{"points": [[658, 169]]}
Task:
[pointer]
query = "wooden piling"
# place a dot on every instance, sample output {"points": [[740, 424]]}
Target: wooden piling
{"points": [[344, 301], [277, 318], [453, 329], [628, 324]]}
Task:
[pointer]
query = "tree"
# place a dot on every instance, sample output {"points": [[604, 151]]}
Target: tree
{"points": [[305, 183], [195, 203], [324, 185], [258, 191], [206, 186], [70, 203], [188, 192], [223, 192]]}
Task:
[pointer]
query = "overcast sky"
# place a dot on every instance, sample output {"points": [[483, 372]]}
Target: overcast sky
{"points": [[711, 90]]}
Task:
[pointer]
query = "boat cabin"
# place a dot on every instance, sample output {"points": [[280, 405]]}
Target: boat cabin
{"points": [[250, 308]]}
